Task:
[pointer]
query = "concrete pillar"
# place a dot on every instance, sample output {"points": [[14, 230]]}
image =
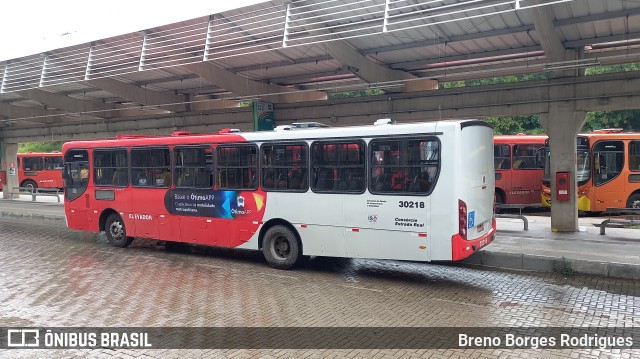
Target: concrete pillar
{"points": [[9, 156], [562, 125]]}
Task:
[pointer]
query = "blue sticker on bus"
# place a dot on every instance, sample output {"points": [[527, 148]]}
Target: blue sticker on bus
{"points": [[471, 219]]}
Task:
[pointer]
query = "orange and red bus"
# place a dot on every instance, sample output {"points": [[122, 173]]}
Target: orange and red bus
{"points": [[40, 170], [608, 171], [418, 192], [518, 174]]}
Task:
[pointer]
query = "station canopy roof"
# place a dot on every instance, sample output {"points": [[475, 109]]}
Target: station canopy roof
{"points": [[300, 50]]}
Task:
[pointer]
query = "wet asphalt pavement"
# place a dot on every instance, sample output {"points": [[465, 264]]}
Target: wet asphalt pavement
{"points": [[53, 277]]}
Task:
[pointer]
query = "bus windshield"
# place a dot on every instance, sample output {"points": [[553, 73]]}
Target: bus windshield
{"points": [[583, 171]]}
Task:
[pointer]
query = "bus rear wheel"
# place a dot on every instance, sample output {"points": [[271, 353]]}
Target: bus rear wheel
{"points": [[634, 201], [116, 232], [281, 247], [29, 185]]}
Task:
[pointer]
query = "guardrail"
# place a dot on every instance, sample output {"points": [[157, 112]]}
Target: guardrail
{"points": [[519, 207], [53, 192], [614, 222]]}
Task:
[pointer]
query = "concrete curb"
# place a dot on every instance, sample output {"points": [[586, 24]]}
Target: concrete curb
{"points": [[31, 216], [538, 263]]}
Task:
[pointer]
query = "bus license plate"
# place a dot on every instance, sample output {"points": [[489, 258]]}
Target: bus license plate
{"points": [[480, 227]]}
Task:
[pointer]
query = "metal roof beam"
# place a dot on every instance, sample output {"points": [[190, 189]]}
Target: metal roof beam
{"points": [[77, 106], [243, 86], [597, 17], [549, 38], [13, 111], [603, 39], [141, 95], [373, 73]]}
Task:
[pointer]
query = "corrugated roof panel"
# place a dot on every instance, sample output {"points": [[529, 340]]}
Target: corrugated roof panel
{"points": [[23, 73], [249, 41]]}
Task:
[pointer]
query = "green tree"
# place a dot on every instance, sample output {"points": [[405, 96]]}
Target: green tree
{"points": [[628, 120], [511, 125], [598, 70], [40, 146]]}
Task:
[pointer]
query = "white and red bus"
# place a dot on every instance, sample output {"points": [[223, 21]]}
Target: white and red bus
{"points": [[518, 169], [420, 192], [40, 170]]}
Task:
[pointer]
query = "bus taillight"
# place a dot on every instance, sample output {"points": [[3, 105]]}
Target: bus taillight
{"points": [[462, 219]]}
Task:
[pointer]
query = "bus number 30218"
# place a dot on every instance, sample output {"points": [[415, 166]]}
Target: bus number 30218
{"points": [[410, 204]]}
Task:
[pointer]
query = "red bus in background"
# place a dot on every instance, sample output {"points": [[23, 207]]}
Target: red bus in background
{"points": [[40, 170], [518, 174]]}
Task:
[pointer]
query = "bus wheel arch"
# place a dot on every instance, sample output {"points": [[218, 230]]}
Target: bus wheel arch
{"points": [[281, 245], [30, 184], [115, 229], [634, 200], [103, 218]]}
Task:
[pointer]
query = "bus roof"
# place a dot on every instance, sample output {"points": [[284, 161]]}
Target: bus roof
{"points": [[520, 138], [611, 135], [185, 138], [40, 154]]}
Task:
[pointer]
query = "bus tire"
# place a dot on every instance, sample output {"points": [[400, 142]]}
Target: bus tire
{"points": [[116, 232], [634, 201], [30, 185], [281, 247]]}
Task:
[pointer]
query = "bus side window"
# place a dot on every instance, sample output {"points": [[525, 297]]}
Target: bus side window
{"points": [[119, 177], [325, 180], [355, 180]]}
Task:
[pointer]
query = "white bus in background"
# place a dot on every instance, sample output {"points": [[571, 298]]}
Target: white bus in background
{"points": [[420, 192]]}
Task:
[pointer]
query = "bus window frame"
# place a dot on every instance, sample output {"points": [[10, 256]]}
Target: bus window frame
{"points": [[154, 147], [129, 182], [502, 167], [284, 143], [44, 163], [531, 161], [595, 153], [40, 159], [637, 163], [69, 191], [365, 155], [212, 168], [216, 167], [434, 180]]}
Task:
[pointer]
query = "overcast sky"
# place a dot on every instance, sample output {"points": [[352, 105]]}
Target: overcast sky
{"points": [[31, 27]]}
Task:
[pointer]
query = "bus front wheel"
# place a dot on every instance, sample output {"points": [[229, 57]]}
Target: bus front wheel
{"points": [[281, 247], [634, 201], [116, 232], [29, 185]]}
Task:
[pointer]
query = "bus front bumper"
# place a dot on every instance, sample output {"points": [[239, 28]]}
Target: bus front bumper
{"points": [[584, 204]]}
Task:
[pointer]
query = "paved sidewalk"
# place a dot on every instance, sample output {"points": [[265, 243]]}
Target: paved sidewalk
{"points": [[616, 254]]}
